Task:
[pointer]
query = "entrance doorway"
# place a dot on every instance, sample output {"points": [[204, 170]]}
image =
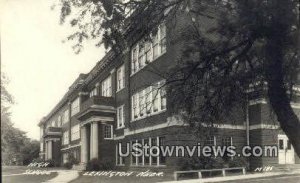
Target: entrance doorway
{"points": [[286, 153]]}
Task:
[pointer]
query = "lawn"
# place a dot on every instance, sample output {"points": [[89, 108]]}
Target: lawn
{"points": [[13, 174], [27, 178]]}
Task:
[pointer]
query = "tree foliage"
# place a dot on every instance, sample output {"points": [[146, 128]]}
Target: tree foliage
{"points": [[249, 43], [16, 148]]}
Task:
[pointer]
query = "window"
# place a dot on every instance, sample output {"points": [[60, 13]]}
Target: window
{"points": [[281, 144], [163, 98], [142, 103], [65, 157], [75, 107], [41, 132], [289, 145], [145, 52], [154, 159], [65, 116], [65, 138], [147, 158], [133, 157], [162, 159], [156, 97], [41, 147], [227, 141], [53, 124], [210, 141], [75, 134], [106, 87], [149, 101], [140, 158], [135, 106], [120, 116], [121, 78], [120, 160], [134, 65], [108, 131], [59, 122], [94, 92]]}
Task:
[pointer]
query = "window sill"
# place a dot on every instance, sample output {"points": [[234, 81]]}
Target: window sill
{"points": [[157, 166], [120, 128], [147, 64], [151, 114], [120, 89], [108, 138]]}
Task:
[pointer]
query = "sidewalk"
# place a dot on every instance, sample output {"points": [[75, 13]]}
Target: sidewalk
{"points": [[236, 177], [64, 176]]}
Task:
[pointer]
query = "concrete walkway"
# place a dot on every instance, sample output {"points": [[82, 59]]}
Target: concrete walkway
{"points": [[237, 177], [64, 176]]}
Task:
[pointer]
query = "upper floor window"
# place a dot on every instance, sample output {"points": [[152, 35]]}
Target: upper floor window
{"points": [[75, 106], [121, 78], [120, 116], [65, 116], [75, 134], [145, 52], [41, 132], [149, 101], [53, 123], [106, 87], [65, 138], [94, 92], [108, 131], [59, 122]]}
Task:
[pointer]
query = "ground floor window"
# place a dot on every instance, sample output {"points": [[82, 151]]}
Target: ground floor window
{"points": [[148, 159], [120, 160], [108, 131], [65, 157]]}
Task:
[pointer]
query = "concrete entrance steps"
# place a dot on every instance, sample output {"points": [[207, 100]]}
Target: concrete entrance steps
{"points": [[287, 168]]}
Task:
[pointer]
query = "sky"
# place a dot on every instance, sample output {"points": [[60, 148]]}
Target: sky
{"points": [[39, 66]]}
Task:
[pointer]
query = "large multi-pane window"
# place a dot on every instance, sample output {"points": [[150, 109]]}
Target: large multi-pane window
{"points": [[53, 123], [75, 134], [59, 121], [94, 92], [108, 131], [210, 141], [121, 78], [146, 160], [106, 87], [75, 106], [65, 116], [120, 116], [227, 141], [41, 147], [145, 52], [149, 101], [65, 138], [120, 160]]}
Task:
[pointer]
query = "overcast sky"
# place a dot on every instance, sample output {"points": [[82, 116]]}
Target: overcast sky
{"points": [[39, 66]]}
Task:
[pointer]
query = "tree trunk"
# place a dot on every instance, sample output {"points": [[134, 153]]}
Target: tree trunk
{"points": [[277, 92]]}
